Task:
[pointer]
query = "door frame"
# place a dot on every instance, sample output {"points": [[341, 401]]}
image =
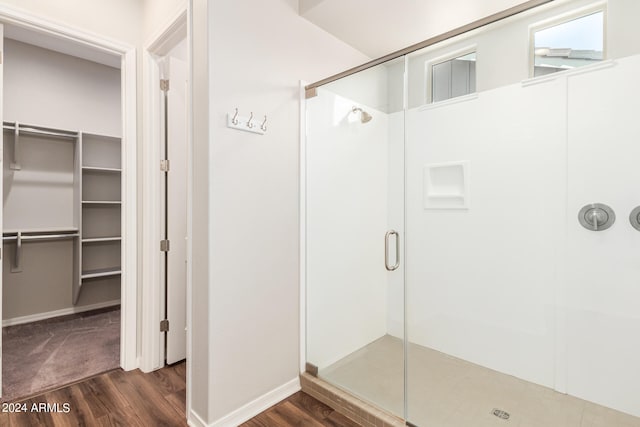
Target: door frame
{"points": [[152, 355], [127, 54], [302, 221]]}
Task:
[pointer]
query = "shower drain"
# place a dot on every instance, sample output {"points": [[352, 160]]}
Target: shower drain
{"points": [[500, 414]]}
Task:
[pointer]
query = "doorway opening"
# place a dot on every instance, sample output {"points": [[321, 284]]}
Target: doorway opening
{"points": [[68, 160], [174, 168], [167, 198]]}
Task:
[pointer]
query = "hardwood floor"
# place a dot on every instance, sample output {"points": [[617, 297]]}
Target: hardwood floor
{"points": [[157, 399], [300, 410], [116, 398]]}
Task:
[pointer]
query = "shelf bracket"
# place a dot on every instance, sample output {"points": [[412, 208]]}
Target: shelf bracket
{"points": [[15, 164], [15, 267]]}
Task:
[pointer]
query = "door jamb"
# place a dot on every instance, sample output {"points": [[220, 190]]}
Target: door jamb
{"points": [[152, 356], [302, 220]]}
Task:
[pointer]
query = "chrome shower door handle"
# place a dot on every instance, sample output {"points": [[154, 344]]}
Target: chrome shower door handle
{"points": [[386, 250]]}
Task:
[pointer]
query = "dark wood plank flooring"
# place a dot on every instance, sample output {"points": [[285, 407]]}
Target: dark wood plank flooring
{"points": [[116, 398], [300, 410], [157, 399]]}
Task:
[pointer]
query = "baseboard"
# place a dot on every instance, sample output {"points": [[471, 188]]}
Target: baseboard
{"points": [[253, 408], [194, 420], [62, 312]]}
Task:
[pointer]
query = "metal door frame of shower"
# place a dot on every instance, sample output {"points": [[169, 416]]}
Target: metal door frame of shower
{"points": [[310, 90], [515, 10]]}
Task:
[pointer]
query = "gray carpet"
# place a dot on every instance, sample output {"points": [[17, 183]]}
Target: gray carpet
{"points": [[47, 354]]}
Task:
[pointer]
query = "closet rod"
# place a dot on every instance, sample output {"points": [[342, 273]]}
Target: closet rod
{"points": [[19, 239], [41, 237], [40, 131]]}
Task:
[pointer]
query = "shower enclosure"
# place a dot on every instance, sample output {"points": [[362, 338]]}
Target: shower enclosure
{"points": [[472, 243]]}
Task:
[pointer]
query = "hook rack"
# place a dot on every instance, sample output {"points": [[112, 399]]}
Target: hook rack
{"points": [[235, 121]]}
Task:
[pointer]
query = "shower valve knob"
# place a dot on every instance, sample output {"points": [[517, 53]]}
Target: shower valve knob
{"points": [[596, 217], [634, 218]]}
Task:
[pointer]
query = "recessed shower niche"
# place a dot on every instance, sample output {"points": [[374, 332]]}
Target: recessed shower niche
{"points": [[446, 185]]}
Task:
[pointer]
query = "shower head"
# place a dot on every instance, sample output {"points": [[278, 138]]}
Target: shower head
{"points": [[364, 116]]}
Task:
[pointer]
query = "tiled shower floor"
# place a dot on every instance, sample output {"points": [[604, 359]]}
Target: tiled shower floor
{"points": [[448, 392]]}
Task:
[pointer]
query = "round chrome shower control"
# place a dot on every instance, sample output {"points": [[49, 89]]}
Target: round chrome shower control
{"points": [[596, 217], [634, 218]]}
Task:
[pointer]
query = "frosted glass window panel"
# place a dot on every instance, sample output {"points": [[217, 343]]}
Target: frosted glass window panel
{"points": [[453, 78], [569, 45]]}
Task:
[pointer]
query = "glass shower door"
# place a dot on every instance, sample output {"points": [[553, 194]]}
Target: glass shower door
{"points": [[354, 234]]}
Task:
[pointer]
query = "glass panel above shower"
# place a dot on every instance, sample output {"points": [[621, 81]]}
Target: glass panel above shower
{"points": [[355, 234]]}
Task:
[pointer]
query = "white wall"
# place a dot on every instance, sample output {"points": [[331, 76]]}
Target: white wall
{"points": [[602, 293], [481, 281], [51, 89], [346, 194], [118, 19], [249, 290], [157, 14], [403, 22], [200, 390], [515, 283]]}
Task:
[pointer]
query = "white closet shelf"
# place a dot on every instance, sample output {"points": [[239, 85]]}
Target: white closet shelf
{"points": [[101, 202], [41, 230], [113, 138], [102, 272], [101, 169], [101, 239]]}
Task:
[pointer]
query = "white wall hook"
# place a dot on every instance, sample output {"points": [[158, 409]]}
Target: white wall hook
{"points": [[236, 121]]}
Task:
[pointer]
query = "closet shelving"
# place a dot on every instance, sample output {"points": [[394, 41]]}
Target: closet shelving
{"points": [[101, 207], [83, 206]]}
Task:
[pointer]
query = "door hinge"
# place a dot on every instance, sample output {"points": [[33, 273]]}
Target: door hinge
{"points": [[164, 85], [164, 325], [164, 165], [164, 245]]}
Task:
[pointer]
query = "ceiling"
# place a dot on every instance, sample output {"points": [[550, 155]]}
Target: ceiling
{"points": [[379, 27]]}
